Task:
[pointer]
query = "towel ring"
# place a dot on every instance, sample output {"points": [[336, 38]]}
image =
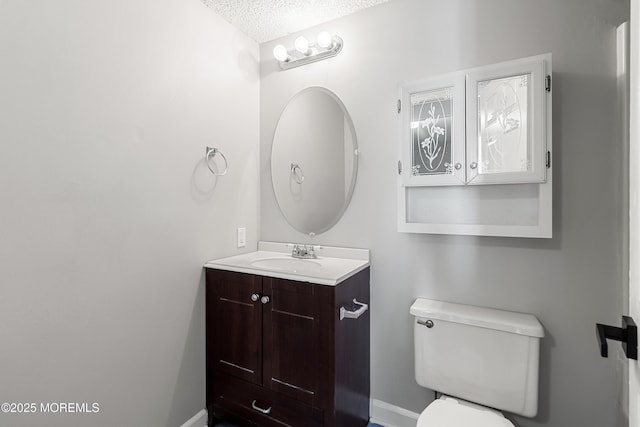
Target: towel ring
{"points": [[211, 153], [297, 174]]}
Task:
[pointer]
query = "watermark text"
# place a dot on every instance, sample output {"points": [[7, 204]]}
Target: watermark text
{"points": [[50, 407]]}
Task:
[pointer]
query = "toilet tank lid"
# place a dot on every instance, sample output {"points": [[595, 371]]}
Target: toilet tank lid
{"points": [[508, 321]]}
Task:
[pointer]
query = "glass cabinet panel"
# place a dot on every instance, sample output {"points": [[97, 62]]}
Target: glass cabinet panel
{"points": [[503, 125], [431, 132]]}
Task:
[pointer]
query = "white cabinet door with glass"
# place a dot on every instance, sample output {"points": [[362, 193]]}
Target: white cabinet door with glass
{"points": [[433, 128], [486, 125]]}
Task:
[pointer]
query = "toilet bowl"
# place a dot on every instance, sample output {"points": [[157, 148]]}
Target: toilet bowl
{"points": [[481, 359], [452, 412]]}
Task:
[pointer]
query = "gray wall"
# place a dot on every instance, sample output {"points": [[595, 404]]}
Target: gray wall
{"points": [[569, 282], [106, 209]]}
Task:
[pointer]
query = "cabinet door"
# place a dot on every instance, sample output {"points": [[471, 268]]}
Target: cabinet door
{"points": [[506, 137], [236, 321], [291, 339], [433, 131]]}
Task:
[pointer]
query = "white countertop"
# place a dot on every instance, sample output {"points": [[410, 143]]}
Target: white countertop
{"points": [[272, 259]]}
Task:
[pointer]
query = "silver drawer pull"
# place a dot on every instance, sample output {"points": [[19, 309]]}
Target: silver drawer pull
{"points": [[348, 314], [259, 409]]}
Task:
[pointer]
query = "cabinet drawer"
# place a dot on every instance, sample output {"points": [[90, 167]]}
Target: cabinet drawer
{"points": [[262, 406]]}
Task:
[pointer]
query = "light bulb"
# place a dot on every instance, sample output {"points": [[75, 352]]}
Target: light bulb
{"points": [[324, 39], [280, 53], [302, 45]]}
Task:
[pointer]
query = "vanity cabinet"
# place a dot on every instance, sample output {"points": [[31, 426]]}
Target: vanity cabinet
{"points": [[279, 355]]}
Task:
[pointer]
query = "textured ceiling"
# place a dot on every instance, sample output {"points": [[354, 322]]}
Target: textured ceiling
{"points": [[265, 20]]}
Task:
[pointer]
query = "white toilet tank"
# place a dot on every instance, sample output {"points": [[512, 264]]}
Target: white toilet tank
{"points": [[483, 355]]}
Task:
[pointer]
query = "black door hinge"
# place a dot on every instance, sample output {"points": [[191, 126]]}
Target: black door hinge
{"points": [[548, 159], [547, 83], [399, 106]]}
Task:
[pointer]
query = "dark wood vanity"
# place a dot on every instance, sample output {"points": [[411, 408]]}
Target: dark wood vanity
{"points": [[279, 355]]}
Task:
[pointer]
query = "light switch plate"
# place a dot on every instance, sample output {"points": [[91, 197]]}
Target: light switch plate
{"points": [[242, 237]]}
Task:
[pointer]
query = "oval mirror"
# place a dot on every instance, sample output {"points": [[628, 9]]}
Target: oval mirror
{"points": [[314, 160]]}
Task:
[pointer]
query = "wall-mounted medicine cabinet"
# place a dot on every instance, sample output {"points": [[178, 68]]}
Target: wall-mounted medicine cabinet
{"points": [[489, 125]]}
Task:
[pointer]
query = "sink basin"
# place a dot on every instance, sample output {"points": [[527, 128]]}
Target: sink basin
{"points": [[286, 264]]}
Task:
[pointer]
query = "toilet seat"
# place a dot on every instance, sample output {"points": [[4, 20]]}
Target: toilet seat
{"points": [[450, 412]]}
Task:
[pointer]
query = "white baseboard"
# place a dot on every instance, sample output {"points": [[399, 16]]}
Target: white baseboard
{"points": [[389, 415], [198, 420]]}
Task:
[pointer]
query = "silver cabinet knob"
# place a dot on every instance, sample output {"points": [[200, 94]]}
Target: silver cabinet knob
{"points": [[255, 297], [458, 166], [473, 165], [264, 299]]}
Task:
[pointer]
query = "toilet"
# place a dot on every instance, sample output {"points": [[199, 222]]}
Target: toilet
{"points": [[482, 360]]}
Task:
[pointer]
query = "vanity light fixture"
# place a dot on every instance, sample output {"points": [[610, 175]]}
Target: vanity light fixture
{"points": [[304, 52]]}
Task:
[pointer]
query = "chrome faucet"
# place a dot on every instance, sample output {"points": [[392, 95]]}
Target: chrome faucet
{"points": [[303, 251]]}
